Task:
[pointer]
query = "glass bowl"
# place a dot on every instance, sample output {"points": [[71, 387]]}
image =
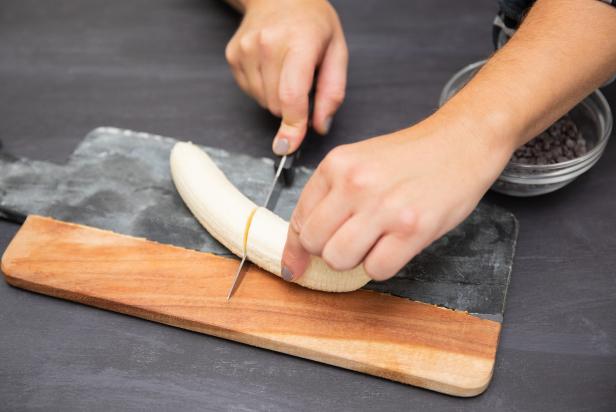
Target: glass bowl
{"points": [[593, 118]]}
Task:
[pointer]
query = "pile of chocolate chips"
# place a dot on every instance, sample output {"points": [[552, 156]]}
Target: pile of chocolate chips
{"points": [[561, 142]]}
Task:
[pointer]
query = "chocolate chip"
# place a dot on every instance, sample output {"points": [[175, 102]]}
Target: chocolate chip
{"points": [[580, 150], [561, 142], [557, 151]]}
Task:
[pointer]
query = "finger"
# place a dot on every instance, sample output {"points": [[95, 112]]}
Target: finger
{"points": [[250, 67], [391, 253], [331, 85], [270, 62], [233, 55], [324, 220], [270, 77], [295, 259], [296, 77], [348, 247], [255, 83], [315, 190]]}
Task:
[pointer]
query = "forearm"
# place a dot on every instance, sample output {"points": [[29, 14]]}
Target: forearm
{"points": [[562, 52]]}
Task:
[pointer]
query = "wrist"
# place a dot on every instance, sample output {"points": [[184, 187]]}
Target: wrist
{"points": [[485, 139], [496, 128]]}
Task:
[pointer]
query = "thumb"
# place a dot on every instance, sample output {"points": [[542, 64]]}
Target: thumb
{"points": [[295, 258]]}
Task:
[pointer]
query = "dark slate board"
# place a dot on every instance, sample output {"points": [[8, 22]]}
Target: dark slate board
{"points": [[119, 180]]}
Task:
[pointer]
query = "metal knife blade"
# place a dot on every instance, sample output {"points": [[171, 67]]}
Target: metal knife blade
{"points": [[239, 276]]}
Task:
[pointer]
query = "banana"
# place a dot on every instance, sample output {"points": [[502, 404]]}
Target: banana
{"points": [[241, 226]]}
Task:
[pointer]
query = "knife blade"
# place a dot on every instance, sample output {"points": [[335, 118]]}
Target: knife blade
{"points": [[238, 274]]}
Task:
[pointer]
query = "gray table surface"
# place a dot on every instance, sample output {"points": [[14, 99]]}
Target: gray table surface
{"points": [[70, 65]]}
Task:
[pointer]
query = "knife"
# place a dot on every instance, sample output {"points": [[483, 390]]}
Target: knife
{"points": [[284, 168]]}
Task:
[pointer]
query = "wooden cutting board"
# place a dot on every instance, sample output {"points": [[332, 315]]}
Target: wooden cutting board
{"points": [[382, 335]]}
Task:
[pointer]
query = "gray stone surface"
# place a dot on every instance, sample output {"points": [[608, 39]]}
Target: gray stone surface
{"points": [[119, 180], [67, 66]]}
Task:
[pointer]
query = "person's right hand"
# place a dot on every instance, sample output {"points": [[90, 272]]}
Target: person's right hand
{"points": [[274, 55]]}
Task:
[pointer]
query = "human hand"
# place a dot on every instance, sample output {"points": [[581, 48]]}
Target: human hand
{"points": [[381, 201], [274, 55]]}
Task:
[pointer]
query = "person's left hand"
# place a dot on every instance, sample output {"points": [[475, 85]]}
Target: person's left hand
{"points": [[383, 200], [274, 56]]}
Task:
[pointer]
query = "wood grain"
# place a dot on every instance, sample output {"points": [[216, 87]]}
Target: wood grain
{"points": [[382, 335]]}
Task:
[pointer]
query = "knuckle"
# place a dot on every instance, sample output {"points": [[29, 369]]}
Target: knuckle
{"points": [[268, 39], [337, 160], [247, 43], [406, 221], [357, 178], [231, 54]]}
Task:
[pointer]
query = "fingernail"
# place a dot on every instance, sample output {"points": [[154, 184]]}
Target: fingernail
{"points": [[281, 146], [327, 125], [287, 274]]}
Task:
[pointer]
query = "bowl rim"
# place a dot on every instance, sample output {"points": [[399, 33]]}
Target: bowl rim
{"points": [[537, 169]]}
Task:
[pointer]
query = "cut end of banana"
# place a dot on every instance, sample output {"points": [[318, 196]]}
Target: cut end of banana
{"points": [[247, 229], [243, 227]]}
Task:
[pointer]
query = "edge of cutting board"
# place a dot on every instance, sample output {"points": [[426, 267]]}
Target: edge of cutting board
{"points": [[395, 338]]}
